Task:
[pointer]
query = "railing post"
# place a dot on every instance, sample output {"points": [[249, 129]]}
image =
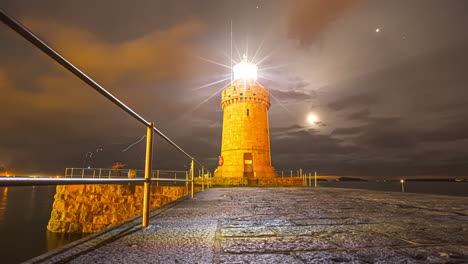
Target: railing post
{"points": [[157, 177], [147, 184], [202, 179], [186, 182], [315, 179], [192, 173]]}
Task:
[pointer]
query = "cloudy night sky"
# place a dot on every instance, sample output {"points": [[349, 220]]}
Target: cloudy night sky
{"points": [[387, 80]]}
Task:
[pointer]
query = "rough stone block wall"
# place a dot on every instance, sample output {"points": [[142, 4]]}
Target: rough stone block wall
{"points": [[294, 181], [92, 208]]}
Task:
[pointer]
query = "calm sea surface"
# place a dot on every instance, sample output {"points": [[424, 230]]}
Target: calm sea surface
{"points": [[443, 188], [25, 211]]}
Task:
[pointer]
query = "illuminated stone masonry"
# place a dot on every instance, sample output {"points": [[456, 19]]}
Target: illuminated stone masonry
{"points": [[92, 208], [245, 148]]}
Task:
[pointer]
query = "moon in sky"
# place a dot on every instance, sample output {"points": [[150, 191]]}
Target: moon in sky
{"points": [[312, 118]]}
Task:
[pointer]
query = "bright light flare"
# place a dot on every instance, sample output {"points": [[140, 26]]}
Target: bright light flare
{"points": [[245, 70], [312, 119]]}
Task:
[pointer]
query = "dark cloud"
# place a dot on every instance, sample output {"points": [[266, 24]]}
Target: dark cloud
{"points": [[308, 18], [298, 139], [155, 56], [362, 114], [452, 131], [359, 100], [346, 131], [292, 95]]}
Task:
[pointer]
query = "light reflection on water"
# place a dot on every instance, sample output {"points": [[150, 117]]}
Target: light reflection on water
{"points": [[3, 203]]}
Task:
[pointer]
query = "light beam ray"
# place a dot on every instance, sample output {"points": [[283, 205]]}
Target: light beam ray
{"points": [[266, 78], [197, 106], [238, 53], [288, 112], [247, 46], [210, 84], [273, 67], [207, 99], [270, 54], [230, 59], [266, 57], [258, 49], [234, 62], [134, 143], [281, 104], [220, 64]]}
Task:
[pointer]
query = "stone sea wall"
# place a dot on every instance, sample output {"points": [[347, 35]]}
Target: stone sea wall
{"points": [[92, 208]]}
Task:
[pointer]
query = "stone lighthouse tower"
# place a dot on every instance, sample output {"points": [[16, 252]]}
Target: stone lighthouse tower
{"points": [[245, 149]]}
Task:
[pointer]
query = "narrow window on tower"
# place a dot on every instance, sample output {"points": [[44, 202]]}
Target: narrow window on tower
{"points": [[247, 112]]}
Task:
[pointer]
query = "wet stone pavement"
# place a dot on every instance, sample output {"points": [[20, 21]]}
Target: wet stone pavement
{"points": [[286, 225]]}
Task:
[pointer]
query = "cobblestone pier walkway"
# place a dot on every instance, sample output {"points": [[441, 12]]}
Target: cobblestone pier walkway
{"points": [[286, 225]]}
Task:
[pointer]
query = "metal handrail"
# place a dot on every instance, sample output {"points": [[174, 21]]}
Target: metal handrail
{"points": [[110, 173], [18, 181], [36, 41]]}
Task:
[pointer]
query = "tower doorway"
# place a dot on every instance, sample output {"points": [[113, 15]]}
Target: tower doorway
{"points": [[248, 165]]}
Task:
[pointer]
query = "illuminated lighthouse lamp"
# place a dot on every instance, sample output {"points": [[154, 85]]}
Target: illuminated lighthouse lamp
{"points": [[245, 70]]}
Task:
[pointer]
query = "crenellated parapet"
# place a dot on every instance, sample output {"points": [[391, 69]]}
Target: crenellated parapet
{"points": [[242, 91]]}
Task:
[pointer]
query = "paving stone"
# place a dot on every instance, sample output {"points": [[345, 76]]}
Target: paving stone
{"points": [[160, 244], [433, 236], [274, 244], [332, 221], [250, 223], [438, 254], [310, 230], [261, 217], [247, 231], [364, 239], [384, 255], [258, 259]]}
